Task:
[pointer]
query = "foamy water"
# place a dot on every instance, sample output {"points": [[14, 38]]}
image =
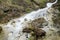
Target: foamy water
{"points": [[14, 27]]}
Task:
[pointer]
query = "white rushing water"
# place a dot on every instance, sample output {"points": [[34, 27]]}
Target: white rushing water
{"points": [[14, 27]]}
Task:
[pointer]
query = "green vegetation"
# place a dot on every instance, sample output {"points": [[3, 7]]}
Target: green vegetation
{"points": [[10, 9]]}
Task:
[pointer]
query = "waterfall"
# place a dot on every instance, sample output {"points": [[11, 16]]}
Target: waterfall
{"points": [[14, 27]]}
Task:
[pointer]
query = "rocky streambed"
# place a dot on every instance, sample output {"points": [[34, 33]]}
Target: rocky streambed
{"points": [[42, 24]]}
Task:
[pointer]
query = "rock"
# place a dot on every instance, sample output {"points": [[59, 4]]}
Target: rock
{"points": [[39, 32], [11, 9], [36, 32], [58, 32], [39, 23], [0, 29], [27, 30]]}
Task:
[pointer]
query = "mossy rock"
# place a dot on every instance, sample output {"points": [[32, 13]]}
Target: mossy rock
{"points": [[23, 7]]}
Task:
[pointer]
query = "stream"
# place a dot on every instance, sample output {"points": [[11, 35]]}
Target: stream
{"points": [[13, 29]]}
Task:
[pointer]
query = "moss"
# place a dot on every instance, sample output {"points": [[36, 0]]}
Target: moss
{"points": [[9, 2], [59, 8], [31, 38], [42, 1], [28, 2], [21, 7], [28, 10]]}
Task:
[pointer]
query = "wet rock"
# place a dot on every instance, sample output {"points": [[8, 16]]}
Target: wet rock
{"points": [[58, 32], [39, 23], [39, 32], [0, 29], [27, 30], [36, 32], [57, 5]]}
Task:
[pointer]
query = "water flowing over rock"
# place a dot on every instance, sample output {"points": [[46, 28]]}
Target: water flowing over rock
{"points": [[13, 29]]}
